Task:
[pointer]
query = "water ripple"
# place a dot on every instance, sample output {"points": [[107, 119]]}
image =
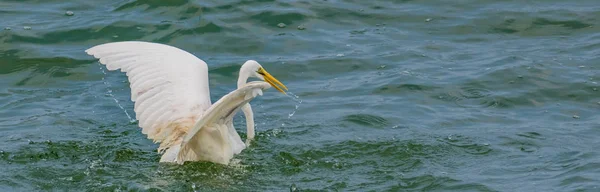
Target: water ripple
{"points": [[366, 120], [397, 95]]}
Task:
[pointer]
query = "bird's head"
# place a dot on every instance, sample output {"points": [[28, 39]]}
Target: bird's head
{"points": [[253, 69]]}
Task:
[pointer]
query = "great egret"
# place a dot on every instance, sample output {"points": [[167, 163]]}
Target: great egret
{"points": [[172, 100]]}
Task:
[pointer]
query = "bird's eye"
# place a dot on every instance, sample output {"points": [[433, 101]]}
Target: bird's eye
{"points": [[261, 72]]}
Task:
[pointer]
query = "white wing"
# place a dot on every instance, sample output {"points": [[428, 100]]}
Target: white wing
{"points": [[220, 115], [168, 85]]}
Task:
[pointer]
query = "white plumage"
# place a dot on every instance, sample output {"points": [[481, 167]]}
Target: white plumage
{"points": [[171, 93]]}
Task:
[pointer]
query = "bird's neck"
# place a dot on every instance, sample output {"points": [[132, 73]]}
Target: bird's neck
{"points": [[242, 81]]}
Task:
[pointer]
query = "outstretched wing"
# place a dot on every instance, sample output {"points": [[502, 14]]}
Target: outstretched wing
{"points": [[168, 85], [220, 114]]}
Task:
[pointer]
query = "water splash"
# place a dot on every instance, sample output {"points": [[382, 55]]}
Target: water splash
{"points": [[109, 92], [296, 99]]}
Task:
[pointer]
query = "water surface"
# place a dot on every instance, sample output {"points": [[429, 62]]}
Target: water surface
{"points": [[396, 95]]}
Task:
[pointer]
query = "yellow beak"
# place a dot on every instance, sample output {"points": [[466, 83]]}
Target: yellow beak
{"points": [[273, 81]]}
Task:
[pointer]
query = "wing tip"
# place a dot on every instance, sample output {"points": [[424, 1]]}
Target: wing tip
{"points": [[92, 51]]}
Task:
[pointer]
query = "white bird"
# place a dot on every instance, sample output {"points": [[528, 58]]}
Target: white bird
{"points": [[172, 100]]}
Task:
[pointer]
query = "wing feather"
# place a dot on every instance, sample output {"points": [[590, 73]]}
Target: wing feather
{"points": [[126, 64], [116, 58], [168, 85], [146, 85], [158, 98], [132, 70], [153, 115], [148, 74], [160, 118], [152, 91], [219, 114], [145, 99], [153, 107]]}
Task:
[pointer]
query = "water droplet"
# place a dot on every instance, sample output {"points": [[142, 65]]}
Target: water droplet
{"points": [[109, 93], [297, 100], [7, 28], [292, 113], [301, 27], [428, 19], [69, 13], [281, 25], [520, 76], [575, 117], [27, 28]]}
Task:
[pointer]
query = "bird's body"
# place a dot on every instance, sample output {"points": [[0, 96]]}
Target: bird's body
{"points": [[172, 100]]}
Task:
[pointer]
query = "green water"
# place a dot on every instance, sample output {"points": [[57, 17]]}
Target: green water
{"points": [[395, 95]]}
